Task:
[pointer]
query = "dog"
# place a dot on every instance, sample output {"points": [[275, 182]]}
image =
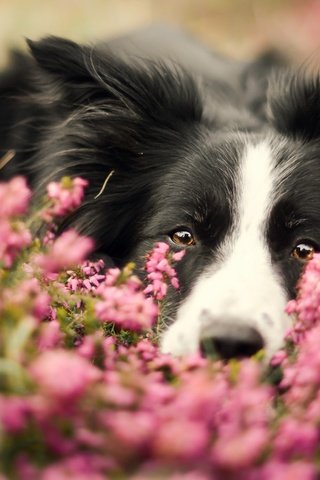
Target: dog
{"points": [[216, 157]]}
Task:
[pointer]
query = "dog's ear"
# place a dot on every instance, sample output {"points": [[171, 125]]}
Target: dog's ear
{"points": [[64, 75], [254, 80], [59, 57], [294, 104], [83, 74]]}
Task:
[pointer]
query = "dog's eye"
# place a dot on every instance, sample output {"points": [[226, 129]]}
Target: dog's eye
{"points": [[304, 251], [183, 238]]}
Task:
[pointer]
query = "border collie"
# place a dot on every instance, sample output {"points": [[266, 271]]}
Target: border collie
{"points": [[218, 157]]}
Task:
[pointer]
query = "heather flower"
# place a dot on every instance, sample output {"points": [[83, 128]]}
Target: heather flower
{"points": [[63, 374], [302, 377], [14, 412], [65, 197], [160, 271], [14, 236], [50, 335], [66, 251], [297, 470], [125, 305], [296, 438], [143, 426], [14, 198], [192, 475], [29, 297], [81, 466], [77, 404], [87, 278], [181, 440], [278, 358], [306, 306], [240, 450]]}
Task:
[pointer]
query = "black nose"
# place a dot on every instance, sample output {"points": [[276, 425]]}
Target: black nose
{"points": [[233, 342]]}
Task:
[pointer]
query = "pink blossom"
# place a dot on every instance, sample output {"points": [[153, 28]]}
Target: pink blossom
{"points": [[63, 374], [181, 440], [66, 251], [14, 197], [14, 412], [65, 195], [241, 450], [160, 271], [126, 308], [87, 347], [30, 297], [81, 466], [50, 335], [88, 279], [278, 358], [14, 236], [306, 305], [143, 427], [295, 438], [298, 470], [191, 475]]}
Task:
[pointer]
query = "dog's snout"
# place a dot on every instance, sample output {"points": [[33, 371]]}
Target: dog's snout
{"points": [[233, 342]]}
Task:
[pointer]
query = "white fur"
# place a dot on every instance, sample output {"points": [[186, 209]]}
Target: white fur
{"points": [[242, 288]]}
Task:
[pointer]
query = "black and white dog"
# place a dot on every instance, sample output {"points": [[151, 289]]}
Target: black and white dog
{"points": [[217, 157]]}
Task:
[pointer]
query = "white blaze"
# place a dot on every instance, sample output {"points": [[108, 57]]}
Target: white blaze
{"points": [[242, 288]]}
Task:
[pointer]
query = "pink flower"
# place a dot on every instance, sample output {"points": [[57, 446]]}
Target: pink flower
{"points": [[181, 440], [30, 297], [192, 475], [79, 466], [142, 429], [88, 279], [241, 450], [296, 438], [302, 377], [65, 195], [278, 358], [66, 251], [14, 412], [160, 271], [298, 470], [50, 335], [126, 307], [14, 197], [14, 236], [63, 374], [306, 305]]}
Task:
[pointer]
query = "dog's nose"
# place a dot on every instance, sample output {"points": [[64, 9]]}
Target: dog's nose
{"points": [[233, 342]]}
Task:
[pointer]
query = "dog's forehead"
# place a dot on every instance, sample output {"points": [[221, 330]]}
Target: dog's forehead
{"points": [[296, 166], [239, 174]]}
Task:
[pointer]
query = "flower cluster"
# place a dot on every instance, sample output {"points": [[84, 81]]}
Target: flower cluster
{"points": [[64, 197], [307, 304], [86, 393], [123, 302], [160, 271], [14, 235]]}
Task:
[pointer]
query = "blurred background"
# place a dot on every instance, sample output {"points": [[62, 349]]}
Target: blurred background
{"points": [[239, 28]]}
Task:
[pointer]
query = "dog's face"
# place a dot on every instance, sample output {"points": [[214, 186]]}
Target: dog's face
{"points": [[244, 204]]}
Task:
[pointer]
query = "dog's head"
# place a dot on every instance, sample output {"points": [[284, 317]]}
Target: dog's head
{"points": [[196, 169]]}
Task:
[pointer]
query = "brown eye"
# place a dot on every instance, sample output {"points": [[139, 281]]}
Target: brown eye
{"points": [[183, 238], [303, 252]]}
